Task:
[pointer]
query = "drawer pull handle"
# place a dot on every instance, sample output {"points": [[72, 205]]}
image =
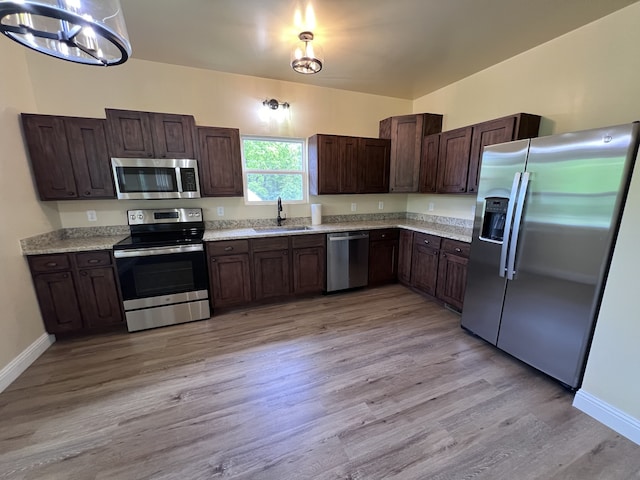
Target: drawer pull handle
{"points": [[427, 242], [228, 249], [51, 264], [458, 250], [94, 260], [83, 273], [66, 275], [383, 235]]}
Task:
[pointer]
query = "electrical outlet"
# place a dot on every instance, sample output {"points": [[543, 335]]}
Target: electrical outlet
{"points": [[380, 205], [92, 216], [431, 206], [221, 211], [354, 207]]}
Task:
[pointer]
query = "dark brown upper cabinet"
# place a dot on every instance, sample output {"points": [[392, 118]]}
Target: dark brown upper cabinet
{"points": [[220, 162], [429, 164], [406, 133], [133, 134], [453, 160], [341, 164], [69, 157]]}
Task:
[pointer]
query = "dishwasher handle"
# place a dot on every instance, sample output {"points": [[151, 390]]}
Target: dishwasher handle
{"points": [[349, 237]]}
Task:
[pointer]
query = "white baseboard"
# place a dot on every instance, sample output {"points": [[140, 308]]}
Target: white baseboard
{"points": [[19, 364], [608, 415]]}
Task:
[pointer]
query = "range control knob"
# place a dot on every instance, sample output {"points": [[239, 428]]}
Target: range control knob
{"points": [[140, 216]]}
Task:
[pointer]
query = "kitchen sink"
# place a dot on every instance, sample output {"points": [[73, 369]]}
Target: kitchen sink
{"points": [[283, 228]]}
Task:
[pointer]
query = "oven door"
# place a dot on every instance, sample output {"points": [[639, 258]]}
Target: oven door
{"points": [[162, 275]]}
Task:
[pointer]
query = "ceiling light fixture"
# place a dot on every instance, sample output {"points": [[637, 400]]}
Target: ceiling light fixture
{"points": [[274, 104], [91, 32], [307, 59]]}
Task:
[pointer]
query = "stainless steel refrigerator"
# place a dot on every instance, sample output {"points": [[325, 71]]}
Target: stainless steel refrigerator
{"points": [[546, 220]]}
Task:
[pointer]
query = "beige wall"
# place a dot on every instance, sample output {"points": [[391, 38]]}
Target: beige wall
{"points": [[22, 215], [585, 79]]}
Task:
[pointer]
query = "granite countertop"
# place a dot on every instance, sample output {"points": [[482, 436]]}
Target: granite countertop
{"points": [[59, 242]]}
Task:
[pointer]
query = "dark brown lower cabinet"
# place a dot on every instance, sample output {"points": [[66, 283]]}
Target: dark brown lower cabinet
{"points": [[383, 256], [309, 261], [452, 272], [77, 292], [424, 268], [405, 248], [229, 273]]}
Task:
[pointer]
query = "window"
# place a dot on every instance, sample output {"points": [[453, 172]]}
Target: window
{"points": [[274, 167]]}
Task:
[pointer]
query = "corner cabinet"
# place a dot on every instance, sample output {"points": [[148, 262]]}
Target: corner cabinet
{"points": [[342, 165], [406, 133], [134, 134], [220, 162], [69, 157], [383, 256], [452, 272], [77, 293], [424, 262]]}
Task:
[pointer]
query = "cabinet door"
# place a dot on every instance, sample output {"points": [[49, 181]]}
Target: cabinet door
{"points": [[173, 135], [220, 162], [129, 134], [308, 270], [453, 160], [230, 280], [406, 145], [429, 164], [383, 262], [373, 165], [98, 297], [58, 302], [424, 268], [452, 279], [487, 133], [271, 274], [87, 141], [324, 154], [405, 250], [49, 152], [348, 164]]}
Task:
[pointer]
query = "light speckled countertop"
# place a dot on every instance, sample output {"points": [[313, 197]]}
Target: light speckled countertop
{"points": [[57, 243]]}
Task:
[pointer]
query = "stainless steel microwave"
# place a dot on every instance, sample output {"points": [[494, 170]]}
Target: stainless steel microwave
{"points": [[155, 178]]}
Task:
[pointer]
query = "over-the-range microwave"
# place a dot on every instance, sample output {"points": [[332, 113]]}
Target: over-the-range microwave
{"points": [[155, 178]]}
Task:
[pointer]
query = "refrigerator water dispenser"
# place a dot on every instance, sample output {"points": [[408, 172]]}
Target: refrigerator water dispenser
{"points": [[495, 215]]}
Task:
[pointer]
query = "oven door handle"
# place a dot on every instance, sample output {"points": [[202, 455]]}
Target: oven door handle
{"points": [[148, 252]]}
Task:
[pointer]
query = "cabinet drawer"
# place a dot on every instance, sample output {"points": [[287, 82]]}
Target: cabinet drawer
{"points": [[230, 247], [93, 259], [304, 241], [267, 244], [455, 247], [432, 241], [49, 263], [384, 234]]}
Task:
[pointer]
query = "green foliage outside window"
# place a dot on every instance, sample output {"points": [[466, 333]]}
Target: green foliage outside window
{"points": [[274, 168]]}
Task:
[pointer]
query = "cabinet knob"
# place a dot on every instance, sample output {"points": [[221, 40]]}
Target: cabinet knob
{"points": [[444, 255], [472, 189], [427, 242], [383, 235], [213, 259], [87, 193], [462, 189], [228, 249], [93, 261], [51, 264], [458, 250], [65, 275], [83, 273], [71, 194], [285, 252]]}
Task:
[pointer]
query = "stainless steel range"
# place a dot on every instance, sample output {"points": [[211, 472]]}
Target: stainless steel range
{"points": [[162, 268]]}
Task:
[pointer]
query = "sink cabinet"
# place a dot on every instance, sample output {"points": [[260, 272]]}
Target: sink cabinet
{"points": [[77, 292], [271, 267], [134, 134], [69, 157]]}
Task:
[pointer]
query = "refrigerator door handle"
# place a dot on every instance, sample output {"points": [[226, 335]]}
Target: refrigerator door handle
{"points": [[511, 266], [507, 224]]}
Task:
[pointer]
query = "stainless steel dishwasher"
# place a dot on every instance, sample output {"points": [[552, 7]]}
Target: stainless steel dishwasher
{"points": [[347, 260]]}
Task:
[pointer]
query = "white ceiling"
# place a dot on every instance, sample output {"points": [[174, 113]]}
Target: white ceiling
{"points": [[398, 48]]}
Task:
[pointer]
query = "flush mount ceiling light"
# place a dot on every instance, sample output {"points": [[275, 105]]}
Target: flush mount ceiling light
{"points": [[274, 104], [306, 59], [91, 32]]}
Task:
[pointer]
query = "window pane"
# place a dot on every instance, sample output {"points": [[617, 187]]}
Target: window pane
{"points": [[265, 187], [272, 155]]}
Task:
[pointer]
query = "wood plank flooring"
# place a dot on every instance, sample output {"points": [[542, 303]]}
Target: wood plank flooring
{"points": [[373, 384]]}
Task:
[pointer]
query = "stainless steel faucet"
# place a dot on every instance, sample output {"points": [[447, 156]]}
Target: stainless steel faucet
{"points": [[279, 219]]}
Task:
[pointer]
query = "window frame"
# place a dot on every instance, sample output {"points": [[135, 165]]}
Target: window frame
{"points": [[303, 172]]}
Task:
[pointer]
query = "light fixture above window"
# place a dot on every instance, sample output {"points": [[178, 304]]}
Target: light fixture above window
{"points": [[274, 104], [307, 59], [91, 32]]}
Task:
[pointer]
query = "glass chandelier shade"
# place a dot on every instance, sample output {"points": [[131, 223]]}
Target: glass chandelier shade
{"points": [[91, 32], [307, 58]]}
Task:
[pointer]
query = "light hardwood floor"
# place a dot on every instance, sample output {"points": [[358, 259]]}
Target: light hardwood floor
{"points": [[373, 384]]}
